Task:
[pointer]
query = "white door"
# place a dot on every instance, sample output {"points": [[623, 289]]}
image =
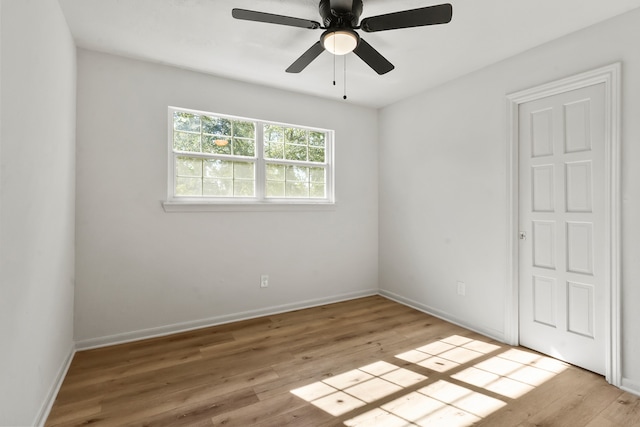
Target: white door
{"points": [[562, 223]]}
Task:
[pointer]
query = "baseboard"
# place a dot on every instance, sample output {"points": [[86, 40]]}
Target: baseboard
{"points": [[45, 409], [214, 321], [627, 384], [488, 332], [630, 386]]}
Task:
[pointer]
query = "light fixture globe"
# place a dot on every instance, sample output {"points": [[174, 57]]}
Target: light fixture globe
{"points": [[340, 42]]}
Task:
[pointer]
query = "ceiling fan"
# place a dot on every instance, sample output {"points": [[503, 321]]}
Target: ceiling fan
{"points": [[340, 20]]}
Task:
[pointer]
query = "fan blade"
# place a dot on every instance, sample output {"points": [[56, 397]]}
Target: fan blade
{"points": [[430, 15], [306, 58], [372, 57], [270, 18]]}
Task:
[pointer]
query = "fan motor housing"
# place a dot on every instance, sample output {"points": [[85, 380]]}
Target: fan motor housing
{"points": [[340, 18]]}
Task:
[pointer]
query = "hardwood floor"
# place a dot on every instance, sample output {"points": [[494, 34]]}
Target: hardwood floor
{"points": [[366, 362]]}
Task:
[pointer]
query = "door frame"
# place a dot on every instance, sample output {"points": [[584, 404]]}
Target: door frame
{"points": [[610, 76]]}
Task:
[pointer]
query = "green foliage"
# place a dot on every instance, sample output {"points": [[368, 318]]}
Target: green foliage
{"points": [[301, 145], [316, 155], [183, 141], [186, 122], [295, 152], [216, 126], [244, 129], [244, 147], [273, 133], [209, 145], [296, 136], [316, 139], [274, 150], [199, 177]]}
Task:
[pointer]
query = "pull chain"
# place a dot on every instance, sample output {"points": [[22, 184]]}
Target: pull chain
{"points": [[334, 62], [345, 78]]}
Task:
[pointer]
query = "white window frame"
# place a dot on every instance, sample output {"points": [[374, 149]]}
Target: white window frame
{"points": [[175, 203]]}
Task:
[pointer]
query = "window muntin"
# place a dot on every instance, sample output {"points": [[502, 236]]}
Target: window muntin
{"points": [[195, 133], [296, 144], [217, 158], [205, 177]]}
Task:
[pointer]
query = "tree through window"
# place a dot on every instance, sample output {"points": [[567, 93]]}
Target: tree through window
{"points": [[216, 158]]}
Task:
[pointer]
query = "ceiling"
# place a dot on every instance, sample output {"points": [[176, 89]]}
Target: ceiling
{"points": [[201, 35]]}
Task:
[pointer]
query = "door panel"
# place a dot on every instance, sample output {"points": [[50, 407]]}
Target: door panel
{"points": [[579, 186], [561, 265], [544, 300]]}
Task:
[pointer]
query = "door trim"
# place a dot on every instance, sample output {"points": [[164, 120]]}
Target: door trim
{"points": [[610, 77]]}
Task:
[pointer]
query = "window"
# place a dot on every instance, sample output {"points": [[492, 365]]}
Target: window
{"points": [[216, 158]]}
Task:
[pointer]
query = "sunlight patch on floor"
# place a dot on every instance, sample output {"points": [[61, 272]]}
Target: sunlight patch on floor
{"points": [[345, 392], [448, 353], [439, 404], [510, 374]]}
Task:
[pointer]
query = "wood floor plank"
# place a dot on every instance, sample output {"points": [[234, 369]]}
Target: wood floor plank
{"points": [[305, 368], [263, 411], [623, 411]]}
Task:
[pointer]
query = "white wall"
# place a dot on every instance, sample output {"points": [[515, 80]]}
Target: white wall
{"points": [[37, 206], [443, 183], [142, 271]]}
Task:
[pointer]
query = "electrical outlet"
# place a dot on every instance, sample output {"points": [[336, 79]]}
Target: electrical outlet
{"points": [[264, 281], [462, 289]]}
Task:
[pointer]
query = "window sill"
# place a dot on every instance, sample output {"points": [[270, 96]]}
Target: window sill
{"points": [[196, 206]]}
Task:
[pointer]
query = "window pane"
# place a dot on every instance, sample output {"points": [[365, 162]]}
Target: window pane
{"points": [[244, 129], [218, 169], [224, 178], [316, 139], [316, 154], [186, 121], [215, 144], [295, 136], [316, 175], [297, 173], [275, 189], [183, 141], [189, 166], [188, 186], [216, 126], [297, 189], [243, 170], [273, 150], [316, 191], [227, 161], [295, 152], [217, 187], [243, 147], [273, 133], [242, 188], [275, 180], [275, 172]]}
